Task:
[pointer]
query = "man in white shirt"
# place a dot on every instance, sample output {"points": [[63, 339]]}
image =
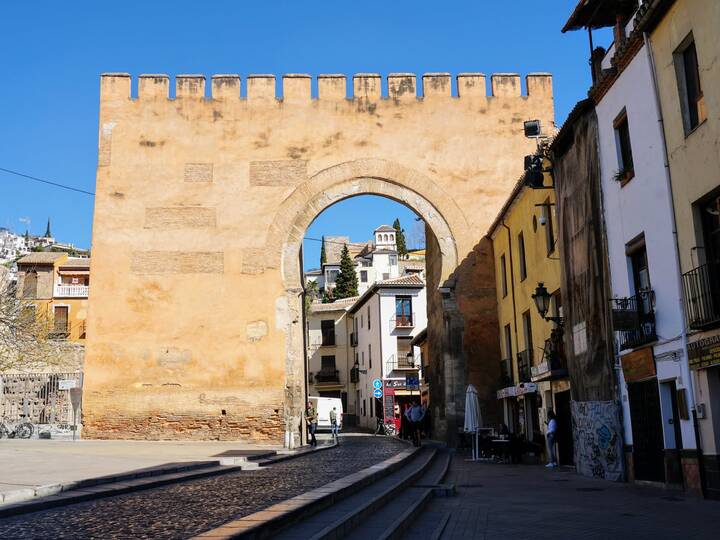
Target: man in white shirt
{"points": [[551, 429]]}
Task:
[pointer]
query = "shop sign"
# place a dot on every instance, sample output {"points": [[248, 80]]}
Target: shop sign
{"points": [[704, 353], [395, 383], [508, 391], [389, 407], [525, 388], [412, 382], [541, 369], [638, 365]]}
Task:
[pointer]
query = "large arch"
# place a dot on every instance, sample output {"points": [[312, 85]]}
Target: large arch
{"points": [[295, 214]]}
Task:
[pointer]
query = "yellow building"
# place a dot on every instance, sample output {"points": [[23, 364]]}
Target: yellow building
{"points": [[58, 286], [686, 50], [533, 369]]}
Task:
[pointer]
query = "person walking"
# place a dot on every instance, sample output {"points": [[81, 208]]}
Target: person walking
{"points": [[311, 419], [550, 436], [415, 415], [334, 423]]}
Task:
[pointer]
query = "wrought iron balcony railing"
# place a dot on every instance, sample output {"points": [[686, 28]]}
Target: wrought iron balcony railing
{"points": [[402, 321], [701, 287], [634, 319], [327, 376]]}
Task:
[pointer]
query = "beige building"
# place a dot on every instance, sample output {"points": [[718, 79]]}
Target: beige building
{"points": [[58, 286], [196, 327], [686, 51]]}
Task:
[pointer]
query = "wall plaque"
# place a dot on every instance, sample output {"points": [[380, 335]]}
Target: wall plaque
{"points": [[638, 365]]}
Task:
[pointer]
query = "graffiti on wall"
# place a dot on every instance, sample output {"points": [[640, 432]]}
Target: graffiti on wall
{"points": [[597, 434]]}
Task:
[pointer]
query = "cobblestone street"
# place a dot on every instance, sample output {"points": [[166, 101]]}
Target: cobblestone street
{"points": [[189, 508]]}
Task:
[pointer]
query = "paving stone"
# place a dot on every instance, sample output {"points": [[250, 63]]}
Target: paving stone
{"points": [[193, 507]]}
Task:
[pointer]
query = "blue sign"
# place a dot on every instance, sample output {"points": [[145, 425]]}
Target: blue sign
{"points": [[377, 393], [412, 382], [377, 384]]}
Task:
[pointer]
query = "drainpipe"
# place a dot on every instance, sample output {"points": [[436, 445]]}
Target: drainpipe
{"points": [[681, 304], [512, 295]]}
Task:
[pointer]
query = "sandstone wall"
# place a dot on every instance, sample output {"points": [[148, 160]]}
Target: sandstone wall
{"points": [[195, 326]]}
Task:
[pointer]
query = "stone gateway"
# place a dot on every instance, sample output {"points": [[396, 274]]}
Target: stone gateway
{"points": [[195, 326]]}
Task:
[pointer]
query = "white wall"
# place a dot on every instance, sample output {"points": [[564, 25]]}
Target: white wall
{"points": [[643, 205]]}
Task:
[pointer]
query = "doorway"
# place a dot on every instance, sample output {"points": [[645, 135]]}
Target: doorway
{"points": [[564, 425], [647, 431]]}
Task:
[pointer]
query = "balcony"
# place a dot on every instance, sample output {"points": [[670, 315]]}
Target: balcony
{"points": [[702, 296], [327, 376], [554, 363], [525, 359], [505, 373], [71, 291], [402, 362], [355, 375], [634, 319], [353, 339], [402, 321]]}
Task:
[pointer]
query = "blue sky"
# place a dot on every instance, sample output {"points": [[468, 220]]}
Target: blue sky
{"points": [[53, 53]]}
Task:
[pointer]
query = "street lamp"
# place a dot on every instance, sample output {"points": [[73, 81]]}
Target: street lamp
{"points": [[542, 302]]}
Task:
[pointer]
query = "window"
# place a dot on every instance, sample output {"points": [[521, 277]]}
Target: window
{"points": [[328, 333], [521, 256], [403, 311], [692, 102], [547, 215], [30, 284], [393, 260], [332, 275], [508, 342], [362, 322], [369, 355], [637, 254], [386, 275], [527, 331], [362, 358], [626, 169], [368, 315], [363, 276], [327, 363], [503, 275]]}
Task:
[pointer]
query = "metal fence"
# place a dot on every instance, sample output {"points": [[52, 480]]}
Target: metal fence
{"points": [[52, 399]]}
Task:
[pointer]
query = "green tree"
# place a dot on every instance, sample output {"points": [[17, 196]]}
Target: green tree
{"points": [[346, 284], [323, 256], [311, 294], [400, 239]]}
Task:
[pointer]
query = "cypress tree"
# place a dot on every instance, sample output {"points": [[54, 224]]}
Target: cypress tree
{"points": [[323, 256], [346, 284], [400, 239]]}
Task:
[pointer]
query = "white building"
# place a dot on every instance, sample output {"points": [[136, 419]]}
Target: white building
{"points": [[374, 260], [334, 369], [384, 320], [652, 370]]}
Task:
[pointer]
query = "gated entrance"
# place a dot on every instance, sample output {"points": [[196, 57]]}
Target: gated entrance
{"points": [[50, 401]]}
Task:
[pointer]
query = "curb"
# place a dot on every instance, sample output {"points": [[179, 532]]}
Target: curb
{"points": [[109, 486], [265, 523]]}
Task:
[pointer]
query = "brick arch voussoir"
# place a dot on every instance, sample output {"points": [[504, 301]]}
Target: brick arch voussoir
{"points": [[366, 176]]}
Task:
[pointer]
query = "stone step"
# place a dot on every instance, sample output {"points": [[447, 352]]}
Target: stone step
{"points": [[288, 516]]}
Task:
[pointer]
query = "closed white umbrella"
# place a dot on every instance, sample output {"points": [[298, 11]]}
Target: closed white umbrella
{"points": [[472, 416]]}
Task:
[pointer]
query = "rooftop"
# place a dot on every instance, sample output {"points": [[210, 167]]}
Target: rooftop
{"points": [[41, 257]]}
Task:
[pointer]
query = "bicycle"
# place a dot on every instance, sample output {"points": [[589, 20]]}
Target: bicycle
{"points": [[20, 430], [386, 428]]}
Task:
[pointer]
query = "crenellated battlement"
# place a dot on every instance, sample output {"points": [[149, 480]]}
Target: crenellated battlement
{"points": [[296, 88]]}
